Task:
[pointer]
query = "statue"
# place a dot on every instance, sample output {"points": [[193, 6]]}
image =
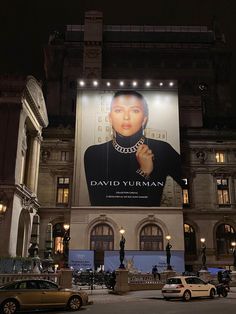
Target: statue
{"points": [[168, 255], [122, 251], [203, 252], [234, 255]]}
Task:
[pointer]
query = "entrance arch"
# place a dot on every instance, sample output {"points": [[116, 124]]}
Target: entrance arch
{"points": [[23, 235]]}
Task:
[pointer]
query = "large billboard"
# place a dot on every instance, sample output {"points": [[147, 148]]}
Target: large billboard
{"points": [[127, 145]]}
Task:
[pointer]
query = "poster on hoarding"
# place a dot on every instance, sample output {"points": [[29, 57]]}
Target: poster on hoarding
{"points": [[143, 261], [81, 259], [127, 145]]}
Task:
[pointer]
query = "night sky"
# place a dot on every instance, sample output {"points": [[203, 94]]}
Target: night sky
{"points": [[25, 25]]}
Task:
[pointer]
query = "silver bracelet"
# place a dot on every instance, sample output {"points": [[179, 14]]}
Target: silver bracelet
{"points": [[143, 174]]}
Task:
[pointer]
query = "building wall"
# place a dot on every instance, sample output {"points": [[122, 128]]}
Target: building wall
{"points": [[200, 62]]}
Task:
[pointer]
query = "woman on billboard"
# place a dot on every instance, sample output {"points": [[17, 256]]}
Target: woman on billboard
{"points": [[129, 170]]}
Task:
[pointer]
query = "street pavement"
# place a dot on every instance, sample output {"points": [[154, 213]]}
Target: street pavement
{"points": [[99, 296]]}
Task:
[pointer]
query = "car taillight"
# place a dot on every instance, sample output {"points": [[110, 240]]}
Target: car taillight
{"points": [[179, 286]]}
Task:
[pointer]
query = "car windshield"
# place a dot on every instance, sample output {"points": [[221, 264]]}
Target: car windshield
{"points": [[172, 281]]}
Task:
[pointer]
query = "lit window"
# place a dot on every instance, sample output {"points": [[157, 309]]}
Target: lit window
{"points": [[63, 190], [58, 245], [223, 191], [65, 156], [185, 192], [220, 157]]}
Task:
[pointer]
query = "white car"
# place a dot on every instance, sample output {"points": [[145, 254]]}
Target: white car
{"points": [[187, 287]]}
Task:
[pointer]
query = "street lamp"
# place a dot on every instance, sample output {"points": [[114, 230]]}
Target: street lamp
{"points": [[203, 253], [122, 248], [66, 240], [234, 253], [168, 253]]}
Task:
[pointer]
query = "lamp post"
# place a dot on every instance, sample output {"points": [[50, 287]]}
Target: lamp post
{"points": [[66, 240], [168, 253], [122, 248], [234, 253], [203, 253]]}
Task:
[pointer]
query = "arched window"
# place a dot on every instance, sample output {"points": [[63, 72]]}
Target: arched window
{"points": [[225, 234], [151, 238], [102, 238], [189, 240]]}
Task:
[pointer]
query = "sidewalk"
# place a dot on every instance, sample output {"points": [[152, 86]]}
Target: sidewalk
{"points": [[106, 296]]}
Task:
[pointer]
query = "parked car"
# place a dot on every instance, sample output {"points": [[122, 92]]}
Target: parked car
{"points": [[187, 287], [38, 294]]}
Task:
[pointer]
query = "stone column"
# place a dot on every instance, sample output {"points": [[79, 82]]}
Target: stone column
{"points": [[34, 161]]}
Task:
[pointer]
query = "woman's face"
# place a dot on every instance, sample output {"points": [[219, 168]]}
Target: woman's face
{"points": [[127, 115]]}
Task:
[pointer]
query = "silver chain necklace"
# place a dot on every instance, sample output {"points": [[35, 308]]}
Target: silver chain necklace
{"points": [[127, 150]]}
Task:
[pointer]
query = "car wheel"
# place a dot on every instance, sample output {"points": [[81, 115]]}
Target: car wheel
{"points": [[74, 303], [212, 293], [187, 295], [224, 293], [9, 306]]}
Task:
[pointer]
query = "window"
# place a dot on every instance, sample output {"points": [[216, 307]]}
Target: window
{"points": [[220, 157], [225, 234], [223, 191], [63, 190], [185, 192], [58, 236], [189, 240], [65, 156], [151, 238], [102, 238]]}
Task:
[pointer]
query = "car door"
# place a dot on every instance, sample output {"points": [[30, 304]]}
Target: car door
{"points": [[52, 296], [201, 288], [28, 294]]}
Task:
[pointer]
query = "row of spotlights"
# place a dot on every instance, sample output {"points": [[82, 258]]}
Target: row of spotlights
{"points": [[122, 83]]}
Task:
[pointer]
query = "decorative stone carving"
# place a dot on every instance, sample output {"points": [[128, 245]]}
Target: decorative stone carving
{"points": [[201, 156]]}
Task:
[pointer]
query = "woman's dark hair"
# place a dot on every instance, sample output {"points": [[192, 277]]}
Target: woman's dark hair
{"points": [[132, 93]]}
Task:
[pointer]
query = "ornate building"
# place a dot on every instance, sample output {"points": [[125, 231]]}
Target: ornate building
{"points": [[94, 55], [23, 115]]}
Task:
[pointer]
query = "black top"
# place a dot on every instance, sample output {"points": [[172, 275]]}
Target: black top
{"points": [[112, 178]]}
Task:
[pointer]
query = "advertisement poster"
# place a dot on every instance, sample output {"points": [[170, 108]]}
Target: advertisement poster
{"points": [[81, 260], [143, 261], [128, 146]]}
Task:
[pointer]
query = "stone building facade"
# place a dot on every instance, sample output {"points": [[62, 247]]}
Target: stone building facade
{"points": [[23, 116], [198, 60]]}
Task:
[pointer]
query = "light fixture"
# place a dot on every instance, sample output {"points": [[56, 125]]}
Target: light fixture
{"points": [[148, 83], [66, 226], [122, 83], [3, 208], [202, 240], [95, 83], [134, 83], [171, 84], [108, 84], [122, 230], [161, 84], [3, 205], [81, 83], [233, 244], [168, 237]]}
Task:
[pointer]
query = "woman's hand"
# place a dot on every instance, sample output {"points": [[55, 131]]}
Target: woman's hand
{"points": [[145, 157]]}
